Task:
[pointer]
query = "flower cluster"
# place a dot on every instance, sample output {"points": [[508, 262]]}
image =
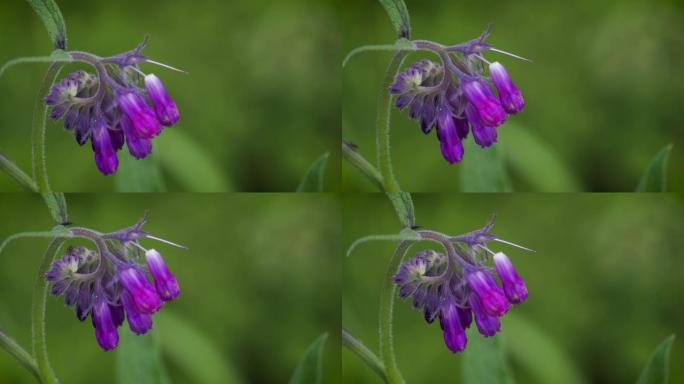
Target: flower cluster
{"points": [[456, 95], [116, 106], [459, 285], [110, 284]]}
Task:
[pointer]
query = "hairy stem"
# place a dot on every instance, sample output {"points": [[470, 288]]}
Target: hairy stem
{"points": [[40, 291], [382, 123], [352, 155], [19, 353], [359, 349], [13, 170], [40, 112], [387, 296]]}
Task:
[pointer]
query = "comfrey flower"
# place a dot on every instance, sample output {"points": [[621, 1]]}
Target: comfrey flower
{"points": [[119, 104], [461, 285], [456, 96], [111, 283]]}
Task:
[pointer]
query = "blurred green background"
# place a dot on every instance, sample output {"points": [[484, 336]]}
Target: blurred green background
{"points": [[260, 281], [603, 92], [260, 101], [605, 284]]}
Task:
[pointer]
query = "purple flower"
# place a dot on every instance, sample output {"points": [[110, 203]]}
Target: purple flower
{"points": [[450, 321], [105, 329], [484, 136], [509, 94], [513, 284], [487, 106], [139, 147], [143, 295], [490, 294], [105, 154], [164, 106], [139, 323], [165, 281], [449, 138], [487, 324], [143, 119]]}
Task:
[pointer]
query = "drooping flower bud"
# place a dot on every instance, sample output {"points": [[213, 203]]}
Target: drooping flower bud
{"points": [[143, 295], [139, 323], [139, 147], [513, 284], [509, 94], [484, 136], [165, 281], [449, 139], [487, 324], [449, 319], [164, 106], [142, 116], [105, 329], [486, 104], [105, 154], [490, 294]]}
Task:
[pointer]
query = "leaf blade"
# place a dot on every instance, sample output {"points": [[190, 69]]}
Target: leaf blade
{"points": [[52, 18], [138, 359], [484, 361], [310, 367], [399, 15], [656, 370], [403, 206], [655, 177], [56, 203], [313, 178], [483, 169]]}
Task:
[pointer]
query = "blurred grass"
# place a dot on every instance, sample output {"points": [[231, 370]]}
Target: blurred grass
{"points": [[260, 97], [604, 283], [259, 282], [603, 92]]}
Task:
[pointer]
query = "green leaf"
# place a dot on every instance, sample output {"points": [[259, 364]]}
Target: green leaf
{"points": [[535, 161], [484, 361], [353, 156], [138, 359], [57, 55], [398, 14], [310, 367], [655, 177], [313, 179], [188, 348], [139, 175], [19, 353], [57, 206], [401, 44], [537, 354], [403, 206], [189, 163], [49, 12], [483, 169], [656, 370]]}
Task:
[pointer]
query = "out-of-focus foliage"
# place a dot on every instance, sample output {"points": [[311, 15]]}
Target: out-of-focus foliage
{"points": [[261, 97], [604, 283], [603, 92], [259, 282]]}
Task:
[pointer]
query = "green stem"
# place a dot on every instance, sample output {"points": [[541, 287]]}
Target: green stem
{"points": [[40, 113], [387, 296], [19, 353], [13, 170], [40, 291], [382, 123], [371, 359], [352, 155]]}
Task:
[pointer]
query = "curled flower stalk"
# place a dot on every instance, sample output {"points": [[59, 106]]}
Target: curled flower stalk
{"points": [[460, 286], [110, 283], [119, 104], [456, 96]]}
